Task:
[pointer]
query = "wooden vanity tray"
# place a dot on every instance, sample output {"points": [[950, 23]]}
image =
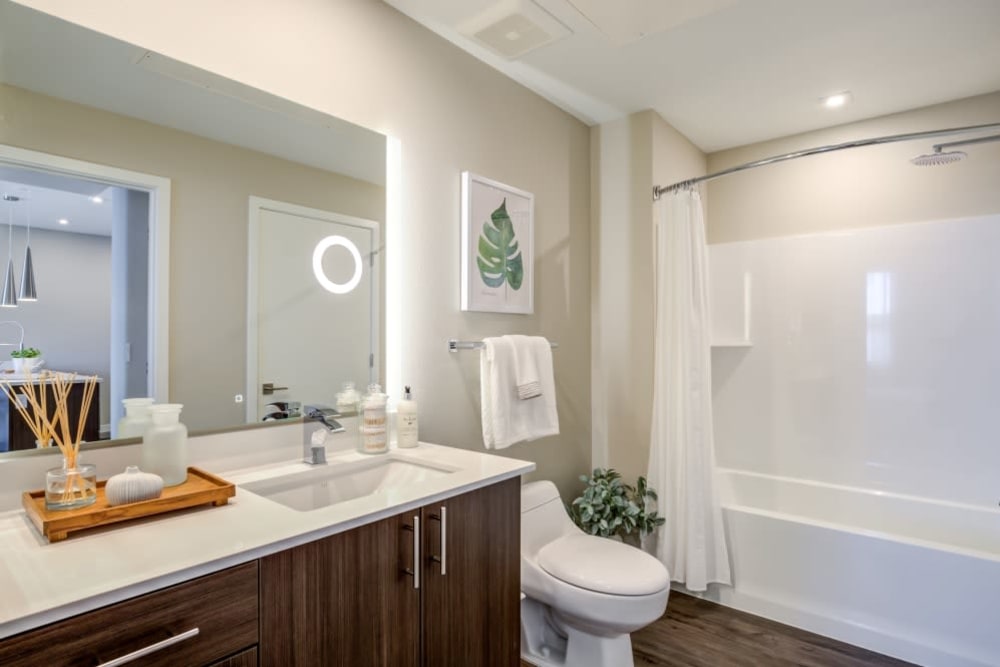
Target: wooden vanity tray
{"points": [[201, 488]]}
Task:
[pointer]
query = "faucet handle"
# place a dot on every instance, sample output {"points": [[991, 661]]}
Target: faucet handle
{"points": [[320, 412]]}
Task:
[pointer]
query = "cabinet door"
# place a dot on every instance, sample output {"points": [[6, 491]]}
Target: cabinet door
{"points": [[343, 600], [472, 578]]}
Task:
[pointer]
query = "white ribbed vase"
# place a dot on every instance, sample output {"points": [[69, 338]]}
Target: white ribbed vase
{"points": [[133, 486]]}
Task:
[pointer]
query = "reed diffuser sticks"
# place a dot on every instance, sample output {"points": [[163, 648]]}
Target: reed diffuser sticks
{"points": [[55, 427]]}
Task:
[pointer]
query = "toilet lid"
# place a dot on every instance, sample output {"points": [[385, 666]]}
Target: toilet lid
{"points": [[602, 565]]}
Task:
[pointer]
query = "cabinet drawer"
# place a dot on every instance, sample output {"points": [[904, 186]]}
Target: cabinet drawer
{"points": [[222, 606]]}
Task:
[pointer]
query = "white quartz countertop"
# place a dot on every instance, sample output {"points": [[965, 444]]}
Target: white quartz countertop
{"points": [[41, 582]]}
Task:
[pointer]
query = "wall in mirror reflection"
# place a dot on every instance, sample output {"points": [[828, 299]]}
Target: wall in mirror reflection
{"points": [[212, 183]]}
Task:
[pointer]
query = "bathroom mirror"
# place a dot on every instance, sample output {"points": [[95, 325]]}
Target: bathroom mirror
{"points": [[257, 186]]}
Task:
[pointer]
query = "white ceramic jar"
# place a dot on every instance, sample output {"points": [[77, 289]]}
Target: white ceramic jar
{"points": [[164, 445]]}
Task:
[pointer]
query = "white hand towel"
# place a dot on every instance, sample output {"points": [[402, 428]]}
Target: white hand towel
{"points": [[527, 354], [506, 419]]}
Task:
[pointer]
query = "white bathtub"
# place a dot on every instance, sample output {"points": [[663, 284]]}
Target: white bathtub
{"points": [[904, 576]]}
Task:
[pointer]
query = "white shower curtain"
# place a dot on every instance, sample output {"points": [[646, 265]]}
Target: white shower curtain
{"points": [[692, 543]]}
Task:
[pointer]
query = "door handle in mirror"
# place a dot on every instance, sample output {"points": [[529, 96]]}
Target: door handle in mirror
{"points": [[268, 388]]}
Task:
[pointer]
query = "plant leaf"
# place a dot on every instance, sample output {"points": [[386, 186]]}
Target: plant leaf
{"points": [[499, 258]]}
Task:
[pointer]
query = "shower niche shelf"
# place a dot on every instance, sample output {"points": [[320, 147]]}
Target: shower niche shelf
{"points": [[730, 316], [734, 342]]}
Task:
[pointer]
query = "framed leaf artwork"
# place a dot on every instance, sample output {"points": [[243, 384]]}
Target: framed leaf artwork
{"points": [[498, 229]]}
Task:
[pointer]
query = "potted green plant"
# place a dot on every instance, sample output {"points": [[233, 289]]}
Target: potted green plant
{"points": [[26, 360], [611, 508]]}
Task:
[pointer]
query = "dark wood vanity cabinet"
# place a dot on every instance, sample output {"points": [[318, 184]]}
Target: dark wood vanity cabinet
{"points": [[436, 586]]}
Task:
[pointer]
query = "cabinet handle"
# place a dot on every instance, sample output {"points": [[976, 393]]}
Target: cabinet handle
{"points": [[443, 559], [415, 572], [416, 552], [152, 648]]}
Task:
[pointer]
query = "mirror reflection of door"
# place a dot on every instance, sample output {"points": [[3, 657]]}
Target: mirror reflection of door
{"points": [[313, 306]]}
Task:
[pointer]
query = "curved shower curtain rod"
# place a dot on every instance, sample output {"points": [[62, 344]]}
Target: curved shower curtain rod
{"points": [[660, 189]]}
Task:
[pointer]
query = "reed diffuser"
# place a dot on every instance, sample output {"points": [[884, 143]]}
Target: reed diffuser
{"points": [[75, 483]]}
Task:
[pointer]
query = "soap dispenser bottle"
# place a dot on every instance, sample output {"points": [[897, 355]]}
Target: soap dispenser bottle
{"points": [[406, 421], [373, 432], [164, 445]]}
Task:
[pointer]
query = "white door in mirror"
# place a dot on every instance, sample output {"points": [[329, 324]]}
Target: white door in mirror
{"points": [[314, 305]]}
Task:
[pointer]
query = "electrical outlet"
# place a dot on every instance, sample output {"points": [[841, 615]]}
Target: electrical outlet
{"points": [[239, 398]]}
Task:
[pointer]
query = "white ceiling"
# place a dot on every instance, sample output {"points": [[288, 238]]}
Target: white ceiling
{"points": [[49, 56], [46, 199], [731, 72]]}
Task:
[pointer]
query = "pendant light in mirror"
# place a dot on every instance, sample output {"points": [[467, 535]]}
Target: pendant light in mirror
{"points": [[9, 299], [28, 291]]}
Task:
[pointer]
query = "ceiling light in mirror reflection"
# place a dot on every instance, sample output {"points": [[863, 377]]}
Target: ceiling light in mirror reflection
{"points": [[317, 262], [878, 334]]}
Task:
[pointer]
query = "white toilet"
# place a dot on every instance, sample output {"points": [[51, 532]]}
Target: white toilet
{"points": [[584, 594]]}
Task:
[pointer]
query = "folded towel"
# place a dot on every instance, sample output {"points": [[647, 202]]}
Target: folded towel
{"points": [[528, 354], [506, 419]]}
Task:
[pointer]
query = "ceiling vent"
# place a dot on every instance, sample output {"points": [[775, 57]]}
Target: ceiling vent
{"points": [[514, 28]]}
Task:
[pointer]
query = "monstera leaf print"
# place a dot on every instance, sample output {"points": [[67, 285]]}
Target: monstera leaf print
{"points": [[499, 257]]}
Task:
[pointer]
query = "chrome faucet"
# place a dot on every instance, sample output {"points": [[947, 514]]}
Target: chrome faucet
{"points": [[317, 423]]}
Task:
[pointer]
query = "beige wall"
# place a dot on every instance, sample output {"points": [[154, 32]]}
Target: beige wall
{"points": [[211, 184], [364, 62], [629, 157], [860, 187]]}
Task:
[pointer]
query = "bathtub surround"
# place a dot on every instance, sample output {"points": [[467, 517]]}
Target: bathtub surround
{"points": [[681, 452], [859, 428], [364, 62], [873, 360]]}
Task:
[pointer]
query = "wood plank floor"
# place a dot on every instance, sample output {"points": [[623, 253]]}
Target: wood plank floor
{"points": [[697, 633]]}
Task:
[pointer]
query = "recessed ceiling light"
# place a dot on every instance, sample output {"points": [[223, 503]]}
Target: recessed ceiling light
{"points": [[513, 35], [63, 221], [836, 100], [97, 199]]}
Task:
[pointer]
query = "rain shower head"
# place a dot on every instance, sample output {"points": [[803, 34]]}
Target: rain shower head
{"points": [[937, 158]]}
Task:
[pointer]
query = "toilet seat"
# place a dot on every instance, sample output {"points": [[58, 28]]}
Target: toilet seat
{"points": [[602, 565]]}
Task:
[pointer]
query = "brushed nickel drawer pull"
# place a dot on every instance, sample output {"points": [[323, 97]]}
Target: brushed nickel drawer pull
{"points": [[152, 648]]}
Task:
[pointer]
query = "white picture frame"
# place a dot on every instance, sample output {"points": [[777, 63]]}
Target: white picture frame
{"points": [[497, 279]]}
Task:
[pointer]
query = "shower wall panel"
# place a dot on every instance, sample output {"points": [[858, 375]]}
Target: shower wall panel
{"points": [[875, 359]]}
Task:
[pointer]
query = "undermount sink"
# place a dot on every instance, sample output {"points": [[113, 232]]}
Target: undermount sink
{"points": [[322, 486]]}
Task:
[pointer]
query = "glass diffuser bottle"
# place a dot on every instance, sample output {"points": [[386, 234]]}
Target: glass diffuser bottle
{"points": [[70, 486]]}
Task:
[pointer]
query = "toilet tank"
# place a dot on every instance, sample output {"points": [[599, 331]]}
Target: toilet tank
{"points": [[543, 516]]}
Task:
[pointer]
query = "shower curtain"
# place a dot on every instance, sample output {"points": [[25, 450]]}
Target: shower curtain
{"points": [[681, 455]]}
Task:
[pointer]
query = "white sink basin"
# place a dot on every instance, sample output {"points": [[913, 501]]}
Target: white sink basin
{"points": [[325, 485]]}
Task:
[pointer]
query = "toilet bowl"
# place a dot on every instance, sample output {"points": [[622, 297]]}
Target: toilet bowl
{"points": [[584, 595]]}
